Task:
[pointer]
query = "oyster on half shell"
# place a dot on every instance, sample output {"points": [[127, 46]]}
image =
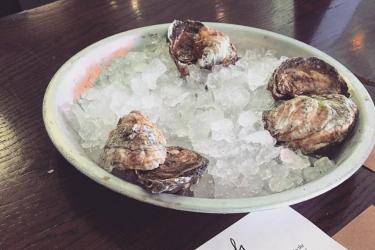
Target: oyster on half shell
{"points": [[136, 143], [192, 42], [306, 76], [311, 123]]}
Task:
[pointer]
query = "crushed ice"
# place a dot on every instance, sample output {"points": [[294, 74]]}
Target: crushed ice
{"points": [[218, 114]]}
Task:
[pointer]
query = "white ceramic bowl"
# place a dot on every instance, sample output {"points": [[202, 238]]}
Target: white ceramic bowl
{"points": [[63, 85]]}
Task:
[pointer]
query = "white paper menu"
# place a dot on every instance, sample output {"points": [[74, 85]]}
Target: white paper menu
{"points": [[276, 229]]}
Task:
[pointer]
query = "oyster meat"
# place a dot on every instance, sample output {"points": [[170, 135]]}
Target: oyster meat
{"points": [[306, 76], [191, 42], [311, 123], [136, 143]]}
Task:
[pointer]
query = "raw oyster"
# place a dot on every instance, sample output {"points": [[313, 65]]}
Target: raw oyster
{"points": [[191, 42], [311, 123], [306, 76], [181, 169], [136, 143]]}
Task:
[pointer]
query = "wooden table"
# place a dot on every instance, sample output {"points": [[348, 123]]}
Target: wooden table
{"points": [[65, 209]]}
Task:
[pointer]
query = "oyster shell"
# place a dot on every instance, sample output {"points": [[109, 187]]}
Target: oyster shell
{"points": [[181, 169], [306, 76], [311, 123], [191, 42], [136, 143]]}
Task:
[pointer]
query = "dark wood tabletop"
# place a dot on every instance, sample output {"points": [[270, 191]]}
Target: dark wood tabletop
{"points": [[65, 209]]}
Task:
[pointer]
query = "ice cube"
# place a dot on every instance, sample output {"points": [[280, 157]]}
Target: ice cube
{"points": [[265, 172], [197, 77], [138, 86], [247, 118], [204, 99], [215, 149], [266, 154], [321, 167], [276, 184], [255, 79], [151, 74], [222, 130], [231, 97], [178, 99], [260, 99], [205, 187], [261, 137], [324, 163], [294, 160], [200, 124]]}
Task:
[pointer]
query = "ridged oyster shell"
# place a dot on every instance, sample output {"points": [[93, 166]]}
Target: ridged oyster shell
{"points": [[311, 123], [306, 76], [136, 143], [181, 169], [191, 42]]}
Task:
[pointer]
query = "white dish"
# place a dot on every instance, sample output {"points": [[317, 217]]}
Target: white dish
{"points": [[63, 87]]}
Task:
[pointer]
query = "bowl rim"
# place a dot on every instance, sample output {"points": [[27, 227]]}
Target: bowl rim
{"points": [[213, 205]]}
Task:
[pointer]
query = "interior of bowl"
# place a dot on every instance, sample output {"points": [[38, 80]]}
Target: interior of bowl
{"points": [[78, 73]]}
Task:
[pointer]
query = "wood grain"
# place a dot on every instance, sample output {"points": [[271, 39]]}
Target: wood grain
{"points": [[64, 209]]}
